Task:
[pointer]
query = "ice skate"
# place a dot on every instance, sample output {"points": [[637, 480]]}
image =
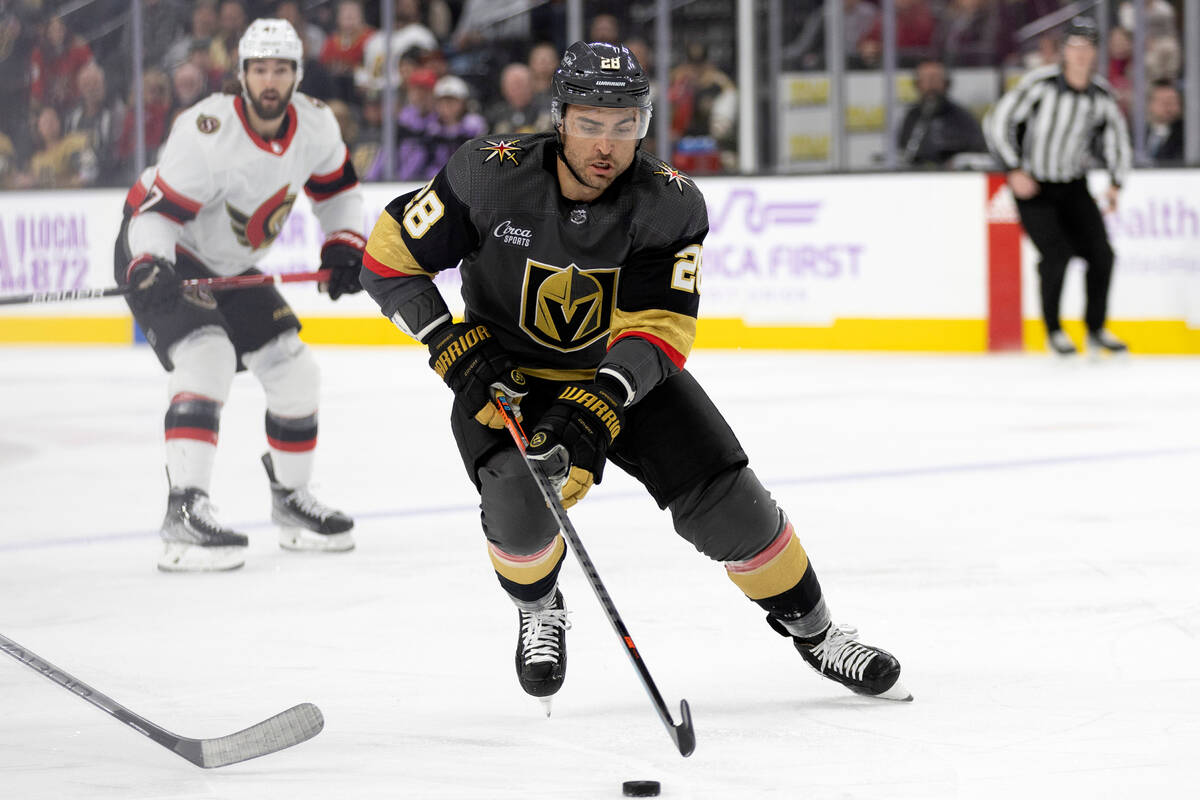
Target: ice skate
{"points": [[542, 650], [193, 541], [838, 655], [1060, 344], [1101, 342], [304, 522]]}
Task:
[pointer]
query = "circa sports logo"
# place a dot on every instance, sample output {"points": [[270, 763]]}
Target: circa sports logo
{"points": [[509, 234], [567, 308]]}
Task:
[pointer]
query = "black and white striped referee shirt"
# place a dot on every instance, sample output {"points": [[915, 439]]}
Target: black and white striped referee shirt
{"points": [[1053, 131]]}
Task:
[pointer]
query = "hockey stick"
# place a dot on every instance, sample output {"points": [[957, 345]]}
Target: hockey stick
{"points": [[297, 724], [682, 734], [214, 284]]}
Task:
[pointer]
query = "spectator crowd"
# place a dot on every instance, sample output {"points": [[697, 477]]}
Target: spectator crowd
{"points": [[463, 68]]}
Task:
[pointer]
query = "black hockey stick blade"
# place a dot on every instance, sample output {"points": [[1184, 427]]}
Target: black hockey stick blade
{"points": [[683, 734], [297, 724]]}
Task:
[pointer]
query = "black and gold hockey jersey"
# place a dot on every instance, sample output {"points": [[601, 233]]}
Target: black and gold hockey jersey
{"points": [[558, 282]]}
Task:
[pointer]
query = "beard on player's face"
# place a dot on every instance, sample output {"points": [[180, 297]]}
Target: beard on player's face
{"points": [[270, 104]]}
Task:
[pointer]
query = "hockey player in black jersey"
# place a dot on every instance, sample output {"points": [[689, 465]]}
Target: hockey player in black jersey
{"points": [[581, 269]]}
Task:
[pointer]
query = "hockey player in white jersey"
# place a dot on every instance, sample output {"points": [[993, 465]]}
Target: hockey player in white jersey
{"points": [[225, 182]]}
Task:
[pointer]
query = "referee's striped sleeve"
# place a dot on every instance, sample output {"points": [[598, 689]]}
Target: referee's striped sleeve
{"points": [[1001, 127], [1118, 151]]}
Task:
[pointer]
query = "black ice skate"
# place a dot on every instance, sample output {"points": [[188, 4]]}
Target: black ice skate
{"points": [[542, 650], [838, 655], [304, 522], [1060, 344], [193, 541], [1101, 342]]}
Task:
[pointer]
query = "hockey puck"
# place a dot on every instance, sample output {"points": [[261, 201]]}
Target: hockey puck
{"points": [[640, 788]]}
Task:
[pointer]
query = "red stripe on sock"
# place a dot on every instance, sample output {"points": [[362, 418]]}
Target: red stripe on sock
{"points": [[772, 550], [199, 434], [293, 447], [538, 556]]}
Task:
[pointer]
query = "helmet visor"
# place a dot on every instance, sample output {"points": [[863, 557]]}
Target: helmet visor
{"points": [[594, 122]]}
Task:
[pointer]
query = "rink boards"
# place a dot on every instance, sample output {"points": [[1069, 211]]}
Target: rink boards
{"points": [[915, 262]]}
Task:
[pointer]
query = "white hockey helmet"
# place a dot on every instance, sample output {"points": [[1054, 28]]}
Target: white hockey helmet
{"points": [[270, 38]]}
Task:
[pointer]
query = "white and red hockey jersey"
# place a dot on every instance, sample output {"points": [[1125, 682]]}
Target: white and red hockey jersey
{"points": [[221, 192]]}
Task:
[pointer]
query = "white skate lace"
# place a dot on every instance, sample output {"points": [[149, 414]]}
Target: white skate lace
{"points": [[842, 653], [309, 505], [539, 634], [200, 512]]}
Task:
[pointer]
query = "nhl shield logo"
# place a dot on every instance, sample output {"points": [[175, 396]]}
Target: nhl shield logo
{"points": [[567, 308]]}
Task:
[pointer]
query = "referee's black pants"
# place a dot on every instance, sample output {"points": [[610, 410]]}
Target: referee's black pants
{"points": [[1063, 221]]}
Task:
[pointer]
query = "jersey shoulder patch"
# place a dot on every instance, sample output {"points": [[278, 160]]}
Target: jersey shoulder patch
{"points": [[492, 170], [679, 207], [207, 121], [500, 149]]}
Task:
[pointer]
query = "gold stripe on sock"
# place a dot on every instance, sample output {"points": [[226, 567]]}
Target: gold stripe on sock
{"points": [[529, 569], [776, 569]]}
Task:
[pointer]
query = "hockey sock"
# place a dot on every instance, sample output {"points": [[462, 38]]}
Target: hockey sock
{"points": [[782, 581], [529, 580], [292, 441], [190, 427]]}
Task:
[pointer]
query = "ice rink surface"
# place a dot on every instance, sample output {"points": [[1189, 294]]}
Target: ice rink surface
{"points": [[1022, 534]]}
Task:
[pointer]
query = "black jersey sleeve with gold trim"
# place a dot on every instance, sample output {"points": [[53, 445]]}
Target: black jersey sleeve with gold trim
{"points": [[417, 235]]}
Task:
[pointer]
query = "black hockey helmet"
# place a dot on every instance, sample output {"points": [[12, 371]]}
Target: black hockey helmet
{"points": [[601, 75], [1083, 28]]}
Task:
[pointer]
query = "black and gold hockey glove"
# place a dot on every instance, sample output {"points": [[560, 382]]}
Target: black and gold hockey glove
{"points": [[572, 439], [155, 286], [472, 363]]}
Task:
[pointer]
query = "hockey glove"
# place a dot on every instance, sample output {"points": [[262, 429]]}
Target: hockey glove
{"points": [[473, 364], [154, 283], [342, 254], [571, 440]]}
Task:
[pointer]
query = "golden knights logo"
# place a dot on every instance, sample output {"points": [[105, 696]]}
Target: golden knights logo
{"points": [[259, 229], [567, 308]]}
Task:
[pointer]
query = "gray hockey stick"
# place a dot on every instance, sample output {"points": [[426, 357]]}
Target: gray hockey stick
{"points": [[217, 284], [683, 734], [297, 724]]}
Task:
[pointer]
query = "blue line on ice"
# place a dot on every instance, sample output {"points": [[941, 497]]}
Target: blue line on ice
{"points": [[844, 477]]}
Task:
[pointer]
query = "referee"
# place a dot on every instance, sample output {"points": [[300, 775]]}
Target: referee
{"points": [[1045, 132]]}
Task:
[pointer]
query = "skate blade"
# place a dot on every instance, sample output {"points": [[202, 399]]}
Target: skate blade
{"points": [[897, 692], [546, 704], [303, 539], [183, 557]]}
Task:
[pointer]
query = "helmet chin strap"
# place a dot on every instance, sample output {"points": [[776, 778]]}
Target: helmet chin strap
{"points": [[562, 156]]}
